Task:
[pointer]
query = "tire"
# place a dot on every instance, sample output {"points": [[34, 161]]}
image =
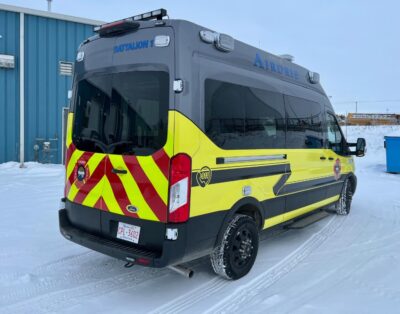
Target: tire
{"points": [[344, 203], [234, 257]]}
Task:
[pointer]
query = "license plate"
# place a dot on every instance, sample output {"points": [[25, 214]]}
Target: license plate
{"points": [[128, 232]]}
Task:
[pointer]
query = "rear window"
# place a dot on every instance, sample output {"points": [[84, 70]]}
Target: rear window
{"points": [[122, 113]]}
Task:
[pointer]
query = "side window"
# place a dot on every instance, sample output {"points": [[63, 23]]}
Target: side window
{"points": [[304, 123], [334, 135], [241, 117]]}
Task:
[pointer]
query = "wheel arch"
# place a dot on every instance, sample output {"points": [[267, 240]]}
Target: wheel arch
{"points": [[353, 179], [247, 206]]}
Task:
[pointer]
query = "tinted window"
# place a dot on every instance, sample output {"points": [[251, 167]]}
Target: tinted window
{"points": [[304, 123], [241, 117], [122, 113]]}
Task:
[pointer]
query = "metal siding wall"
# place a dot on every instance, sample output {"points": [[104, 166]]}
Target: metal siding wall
{"points": [[9, 88], [48, 41]]}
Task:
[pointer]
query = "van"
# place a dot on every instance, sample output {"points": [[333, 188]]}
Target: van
{"points": [[183, 142]]}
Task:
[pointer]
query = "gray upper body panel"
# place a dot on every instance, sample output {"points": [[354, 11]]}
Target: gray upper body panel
{"points": [[189, 58]]}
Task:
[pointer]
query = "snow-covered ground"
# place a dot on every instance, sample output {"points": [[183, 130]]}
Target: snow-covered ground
{"points": [[338, 265]]}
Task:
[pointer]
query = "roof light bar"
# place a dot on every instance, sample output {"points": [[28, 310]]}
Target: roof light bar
{"points": [[152, 15], [128, 24], [117, 27]]}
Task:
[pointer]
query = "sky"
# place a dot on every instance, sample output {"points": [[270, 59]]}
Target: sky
{"points": [[354, 45]]}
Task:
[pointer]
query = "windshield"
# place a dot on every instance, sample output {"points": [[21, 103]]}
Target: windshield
{"points": [[122, 113]]}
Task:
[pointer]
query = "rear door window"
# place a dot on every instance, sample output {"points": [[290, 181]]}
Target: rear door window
{"points": [[122, 113]]}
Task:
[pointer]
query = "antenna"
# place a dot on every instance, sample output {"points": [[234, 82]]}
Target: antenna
{"points": [[49, 5]]}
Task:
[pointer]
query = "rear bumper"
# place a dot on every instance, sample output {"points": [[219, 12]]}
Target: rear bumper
{"points": [[96, 230], [172, 251]]}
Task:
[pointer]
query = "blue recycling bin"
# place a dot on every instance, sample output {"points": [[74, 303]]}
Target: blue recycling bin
{"points": [[392, 145]]}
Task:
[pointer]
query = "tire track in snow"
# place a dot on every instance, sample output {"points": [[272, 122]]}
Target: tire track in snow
{"points": [[186, 301], [59, 275], [53, 302], [245, 293], [207, 289]]}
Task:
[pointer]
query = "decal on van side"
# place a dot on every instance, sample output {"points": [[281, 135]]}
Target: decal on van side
{"points": [[228, 175], [337, 169], [203, 177], [271, 66], [135, 45]]}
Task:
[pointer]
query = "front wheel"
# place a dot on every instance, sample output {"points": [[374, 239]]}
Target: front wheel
{"points": [[235, 255], [344, 203]]}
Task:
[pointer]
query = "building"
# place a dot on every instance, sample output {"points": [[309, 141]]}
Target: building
{"points": [[37, 51], [372, 119]]}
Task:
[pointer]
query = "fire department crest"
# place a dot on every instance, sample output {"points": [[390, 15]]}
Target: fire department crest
{"points": [[81, 173], [203, 177]]}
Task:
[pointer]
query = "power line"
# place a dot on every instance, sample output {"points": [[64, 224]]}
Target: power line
{"points": [[365, 101]]}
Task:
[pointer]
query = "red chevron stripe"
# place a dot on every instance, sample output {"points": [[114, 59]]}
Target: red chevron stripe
{"points": [[162, 160], [146, 188], [93, 179], [119, 190], [70, 181], [104, 205], [69, 152], [100, 204]]}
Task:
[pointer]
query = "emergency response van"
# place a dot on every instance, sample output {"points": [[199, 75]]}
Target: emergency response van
{"points": [[183, 142]]}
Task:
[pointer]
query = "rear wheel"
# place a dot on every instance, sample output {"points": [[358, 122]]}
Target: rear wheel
{"points": [[235, 255], [344, 203]]}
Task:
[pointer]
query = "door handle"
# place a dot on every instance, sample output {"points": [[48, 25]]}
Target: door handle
{"points": [[322, 158], [331, 158], [119, 171]]}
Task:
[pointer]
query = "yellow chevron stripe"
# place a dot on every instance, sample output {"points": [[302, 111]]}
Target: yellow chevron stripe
{"points": [[156, 177], [72, 162], [94, 162], [109, 198], [94, 195], [169, 147], [72, 192], [132, 190], [69, 129]]}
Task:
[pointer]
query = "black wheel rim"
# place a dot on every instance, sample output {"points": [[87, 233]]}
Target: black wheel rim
{"points": [[242, 250]]}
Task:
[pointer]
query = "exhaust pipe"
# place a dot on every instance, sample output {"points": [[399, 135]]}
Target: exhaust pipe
{"points": [[186, 272]]}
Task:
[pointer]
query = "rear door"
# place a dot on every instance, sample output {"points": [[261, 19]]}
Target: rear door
{"points": [[121, 129], [136, 128]]}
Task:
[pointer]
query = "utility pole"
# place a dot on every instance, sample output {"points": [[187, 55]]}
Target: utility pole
{"points": [[49, 5], [356, 106]]}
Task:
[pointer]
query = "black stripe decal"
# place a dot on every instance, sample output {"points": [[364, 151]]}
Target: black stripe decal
{"points": [[281, 182], [283, 204], [306, 185], [234, 174]]}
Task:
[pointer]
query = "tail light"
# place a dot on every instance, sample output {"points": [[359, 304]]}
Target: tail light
{"points": [[179, 188]]}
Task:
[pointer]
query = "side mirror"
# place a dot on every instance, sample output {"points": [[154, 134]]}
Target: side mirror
{"points": [[360, 147]]}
